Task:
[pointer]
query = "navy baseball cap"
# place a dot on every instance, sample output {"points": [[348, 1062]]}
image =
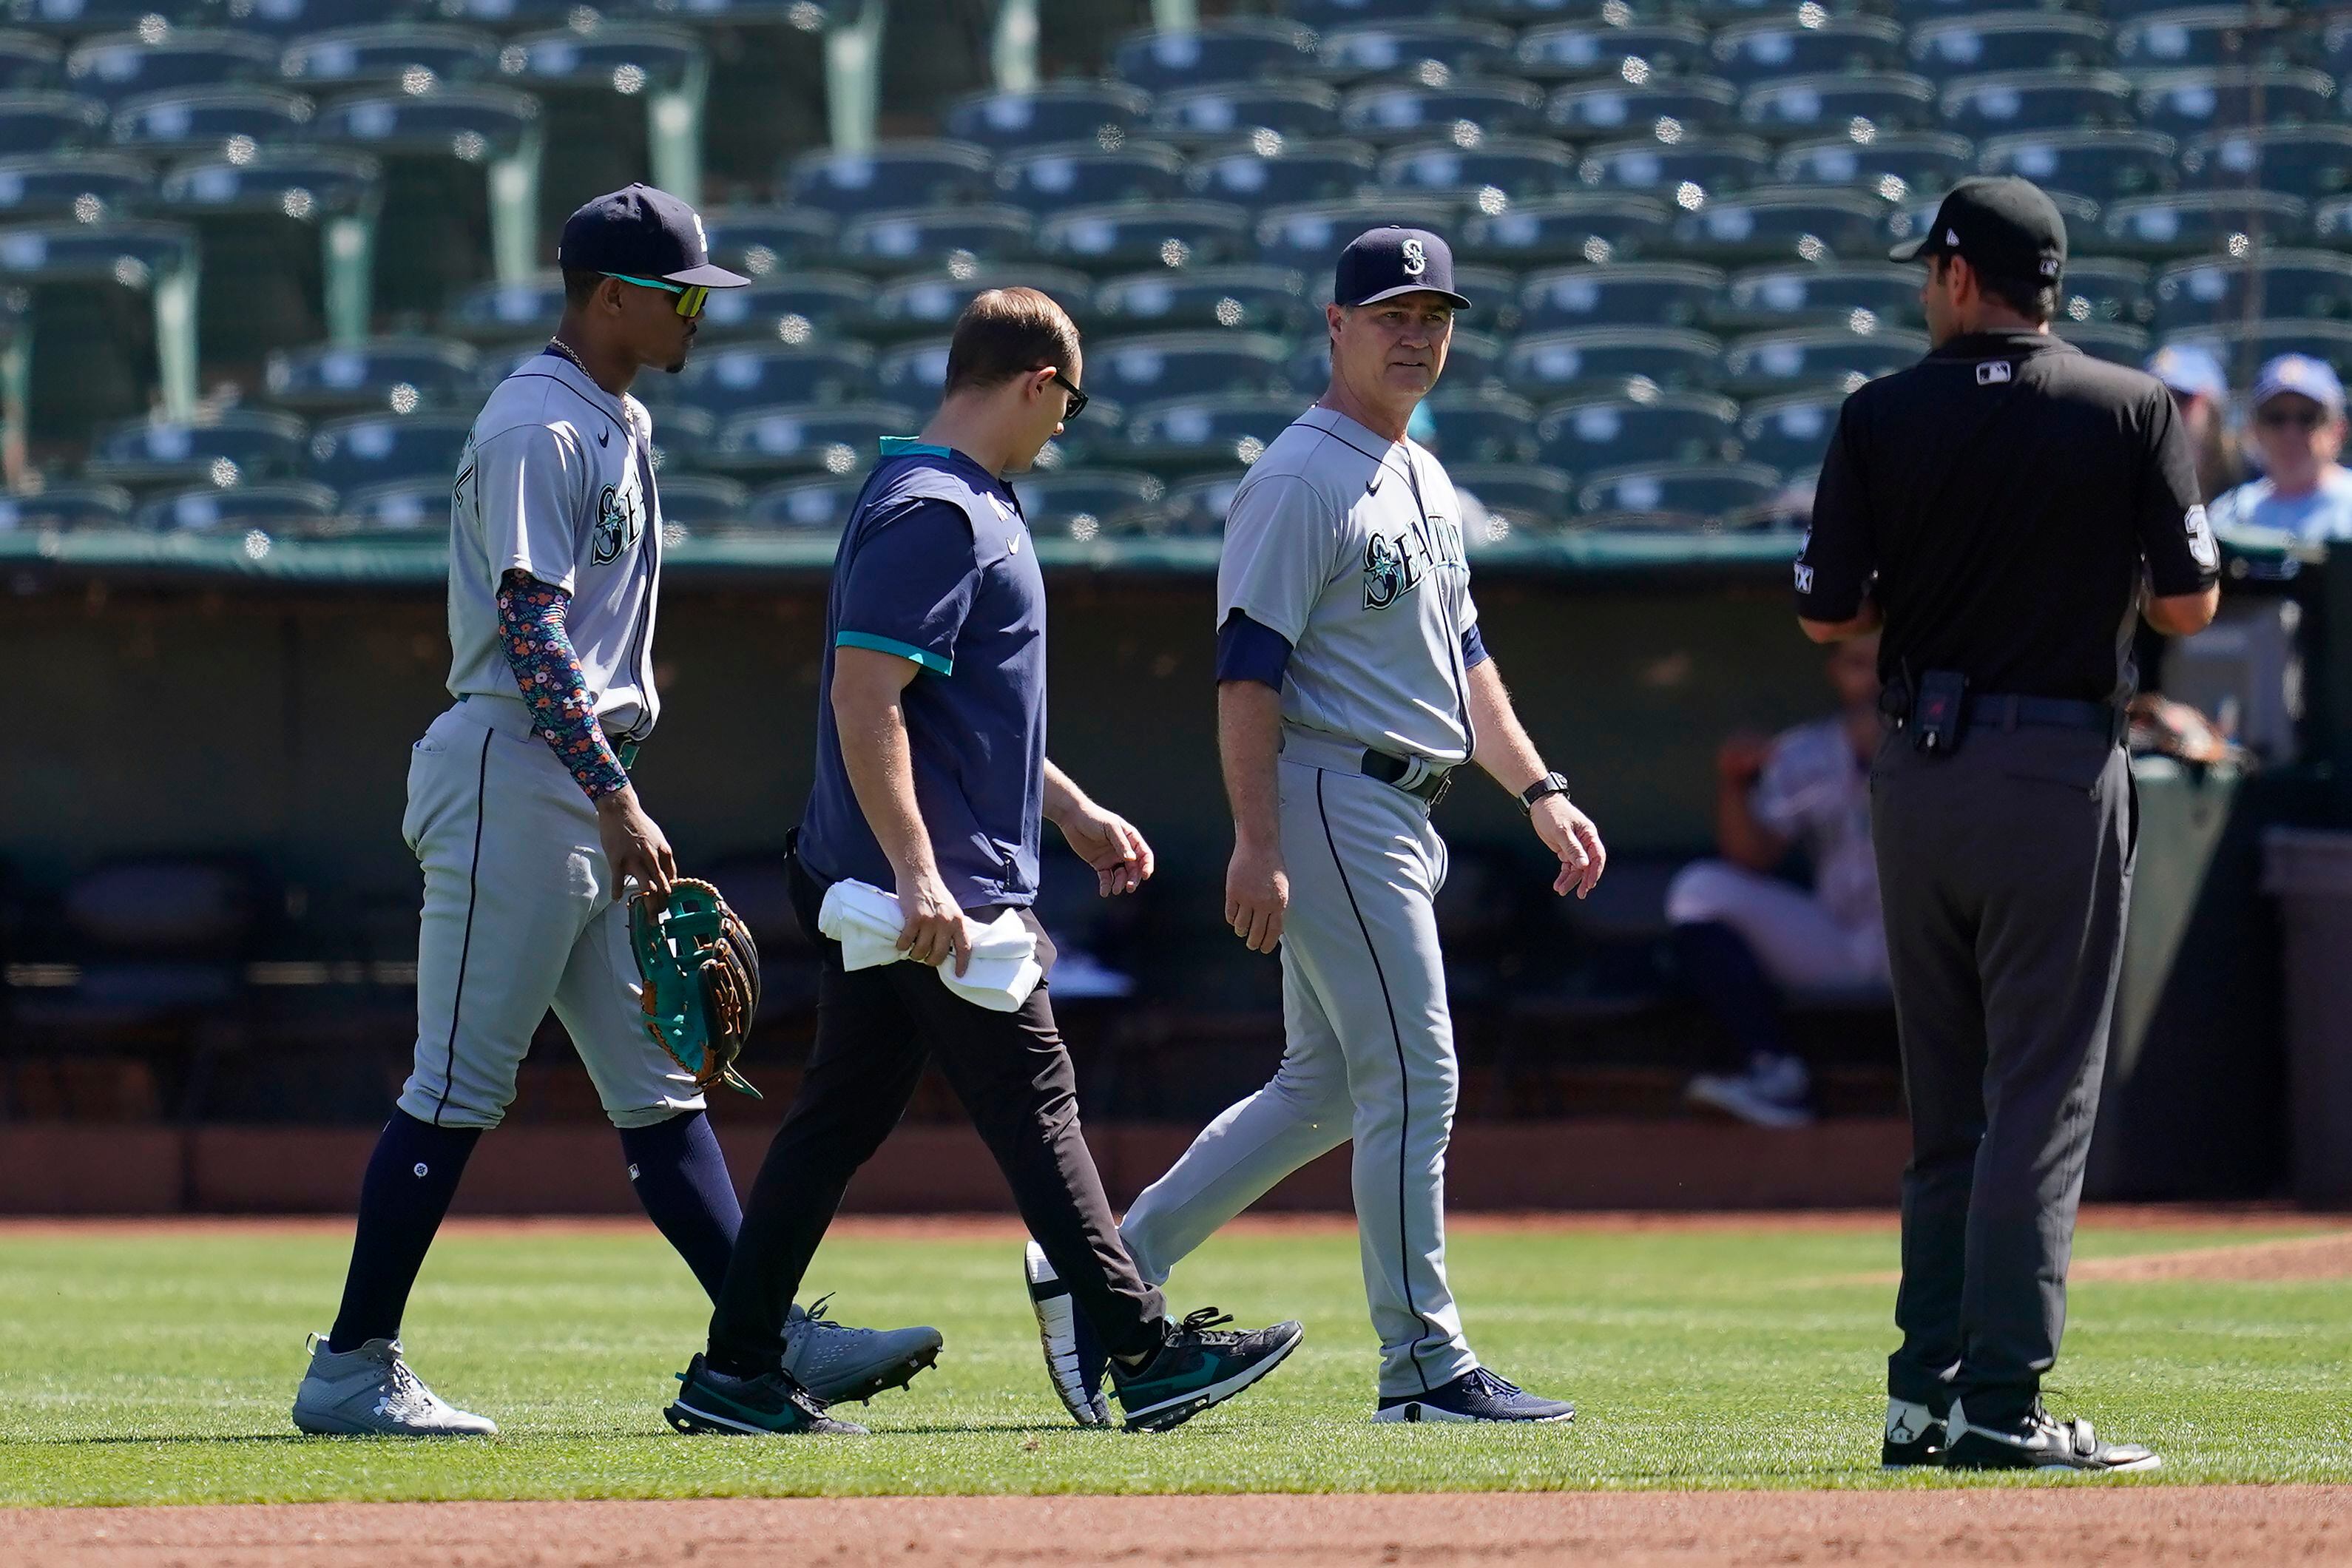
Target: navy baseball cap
{"points": [[2003, 226], [640, 232], [2300, 374], [1382, 263]]}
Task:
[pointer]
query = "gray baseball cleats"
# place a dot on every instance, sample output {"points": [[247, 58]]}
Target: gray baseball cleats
{"points": [[1477, 1396], [370, 1393], [2040, 1442], [838, 1364]]}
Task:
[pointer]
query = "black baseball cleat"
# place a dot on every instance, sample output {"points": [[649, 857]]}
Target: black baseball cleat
{"points": [[1197, 1367], [1915, 1436], [2039, 1441], [1076, 1361], [771, 1405], [1477, 1396]]}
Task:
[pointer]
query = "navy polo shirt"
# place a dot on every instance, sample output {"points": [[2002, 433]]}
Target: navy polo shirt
{"points": [[936, 566]]}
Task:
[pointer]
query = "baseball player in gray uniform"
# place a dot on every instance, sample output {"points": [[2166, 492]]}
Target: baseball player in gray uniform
{"points": [[522, 817], [1351, 682]]}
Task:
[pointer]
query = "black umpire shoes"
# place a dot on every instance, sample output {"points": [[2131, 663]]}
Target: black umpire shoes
{"points": [[1915, 1436], [771, 1405], [2040, 1442]]}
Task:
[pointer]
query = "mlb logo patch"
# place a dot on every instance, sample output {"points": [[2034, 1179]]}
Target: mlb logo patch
{"points": [[1994, 371]]}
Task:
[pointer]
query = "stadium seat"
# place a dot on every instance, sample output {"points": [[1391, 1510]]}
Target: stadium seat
{"points": [[756, 240], [79, 18], [29, 62], [2310, 161], [157, 261], [1309, 238], [2104, 165], [591, 72], [2215, 290], [72, 185], [2186, 38], [2185, 103], [1812, 294], [271, 221], [1810, 105], [368, 449], [1104, 114], [1518, 496], [209, 118], [1591, 109], [1131, 370], [628, 59], [1492, 174], [1198, 116], [1633, 422], [2189, 221], [1193, 508], [2103, 289], [702, 503], [510, 16], [64, 506], [1481, 425], [1750, 54], [1079, 502], [1783, 222], [387, 55], [895, 239], [237, 445], [1895, 166], [683, 435], [1122, 236], [494, 312], [2243, 346], [1600, 46], [39, 121], [288, 18], [470, 124], [1555, 364], [407, 509], [1235, 49], [798, 308], [1594, 228], [1411, 47], [289, 506], [1686, 170], [1619, 294], [1205, 432], [811, 506], [1997, 102], [894, 175], [927, 303], [915, 373], [1322, 14], [1468, 109], [2109, 341], [1674, 495], [1265, 171], [1790, 432], [1048, 179], [2007, 40], [731, 379], [836, 439], [1768, 362], [405, 375], [1250, 298], [117, 66]]}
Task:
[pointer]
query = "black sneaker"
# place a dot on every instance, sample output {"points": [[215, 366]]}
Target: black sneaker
{"points": [[1198, 1367], [1915, 1436], [1076, 1361], [2040, 1442], [772, 1403], [1477, 1396]]}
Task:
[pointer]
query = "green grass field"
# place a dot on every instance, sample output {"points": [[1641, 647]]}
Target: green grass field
{"points": [[140, 1368]]}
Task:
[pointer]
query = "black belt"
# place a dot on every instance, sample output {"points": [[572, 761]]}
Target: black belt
{"points": [[2000, 712], [1430, 788]]}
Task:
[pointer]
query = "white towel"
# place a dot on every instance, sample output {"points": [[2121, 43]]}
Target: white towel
{"points": [[866, 921]]}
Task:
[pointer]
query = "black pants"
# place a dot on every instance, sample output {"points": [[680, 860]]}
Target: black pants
{"points": [[2006, 870], [876, 1030]]}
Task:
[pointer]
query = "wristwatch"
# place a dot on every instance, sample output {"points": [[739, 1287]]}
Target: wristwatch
{"points": [[1550, 783]]}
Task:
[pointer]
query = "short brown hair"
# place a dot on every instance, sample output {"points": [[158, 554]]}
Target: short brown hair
{"points": [[1006, 331]]}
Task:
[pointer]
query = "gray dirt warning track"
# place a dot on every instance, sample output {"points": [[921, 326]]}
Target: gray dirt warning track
{"points": [[2032, 1524]]}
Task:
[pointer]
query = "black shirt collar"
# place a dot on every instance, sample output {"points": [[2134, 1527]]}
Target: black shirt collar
{"points": [[2003, 343]]}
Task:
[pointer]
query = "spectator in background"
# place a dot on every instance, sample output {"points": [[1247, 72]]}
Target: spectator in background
{"points": [[2298, 429], [2201, 392], [1744, 937]]}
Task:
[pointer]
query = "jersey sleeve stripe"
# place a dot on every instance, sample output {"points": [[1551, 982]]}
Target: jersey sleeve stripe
{"points": [[908, 651]]}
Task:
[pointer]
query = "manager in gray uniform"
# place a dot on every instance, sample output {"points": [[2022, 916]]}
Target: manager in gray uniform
{"points": [[2006, 508], [1351, 682]]}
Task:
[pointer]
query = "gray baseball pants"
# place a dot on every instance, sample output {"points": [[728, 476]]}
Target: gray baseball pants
{"points": [[1369, 1056]]}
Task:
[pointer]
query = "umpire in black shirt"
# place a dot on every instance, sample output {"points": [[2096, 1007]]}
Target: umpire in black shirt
{"points": [[2005, 509]]}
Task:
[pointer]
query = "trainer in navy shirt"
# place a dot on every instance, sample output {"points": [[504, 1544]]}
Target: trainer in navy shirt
{"points": [[936, 566]]}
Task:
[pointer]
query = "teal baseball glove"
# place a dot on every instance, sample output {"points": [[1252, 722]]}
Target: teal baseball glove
{"points": [[701, 975]]}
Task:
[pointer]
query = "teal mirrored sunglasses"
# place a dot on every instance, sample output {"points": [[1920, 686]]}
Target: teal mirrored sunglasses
{"points": [[691, 296]]}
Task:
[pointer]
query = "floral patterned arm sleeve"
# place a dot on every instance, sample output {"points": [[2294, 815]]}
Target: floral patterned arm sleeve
{"points": [[539, 650]]}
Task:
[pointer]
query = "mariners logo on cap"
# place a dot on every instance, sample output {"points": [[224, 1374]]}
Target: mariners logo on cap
{"points": [[1416, 258]]}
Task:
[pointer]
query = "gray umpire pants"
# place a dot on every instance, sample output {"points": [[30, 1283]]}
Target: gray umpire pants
{"points": [[2006, 871], [1368, 1055]]}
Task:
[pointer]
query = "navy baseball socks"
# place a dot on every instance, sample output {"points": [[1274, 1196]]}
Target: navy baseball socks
{"points": [[680, 1178], [410, 1178]]}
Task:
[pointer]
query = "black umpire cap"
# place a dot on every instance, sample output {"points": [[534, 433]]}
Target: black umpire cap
{"points": [[2003, 226], [1382, 263], [640, 232]]}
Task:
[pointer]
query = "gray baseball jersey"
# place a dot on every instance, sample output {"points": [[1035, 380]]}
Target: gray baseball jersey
{"points": [[1350, 546], [557, 480]]}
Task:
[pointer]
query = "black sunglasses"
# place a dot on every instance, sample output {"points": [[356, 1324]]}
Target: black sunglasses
{"points": [[1077, 399], [2298, 418]]}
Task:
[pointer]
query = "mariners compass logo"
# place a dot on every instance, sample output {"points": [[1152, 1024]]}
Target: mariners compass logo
{"points": [[1416, 258], [620, 518]]}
